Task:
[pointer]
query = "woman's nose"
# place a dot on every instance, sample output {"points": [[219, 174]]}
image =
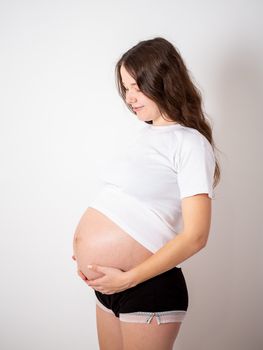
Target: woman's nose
{"points": [[130, 97]]}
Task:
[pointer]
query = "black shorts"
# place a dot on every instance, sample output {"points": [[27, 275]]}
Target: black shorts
{"points": [[165, 294]]}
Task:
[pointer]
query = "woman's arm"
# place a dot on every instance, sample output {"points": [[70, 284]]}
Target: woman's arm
{"points": [[196, 212]]}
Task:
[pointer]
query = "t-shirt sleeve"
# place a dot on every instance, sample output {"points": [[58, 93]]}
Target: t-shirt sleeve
{"points": [[195, 166]]}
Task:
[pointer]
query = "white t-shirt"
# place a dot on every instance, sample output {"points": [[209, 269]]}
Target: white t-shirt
{"points": [[143, 187]]}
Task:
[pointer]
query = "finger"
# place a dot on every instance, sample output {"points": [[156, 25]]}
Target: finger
{"points": [[82, 275]]}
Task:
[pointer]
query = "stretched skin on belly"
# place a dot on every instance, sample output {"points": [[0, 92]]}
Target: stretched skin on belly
{"points": [[99, 240]]}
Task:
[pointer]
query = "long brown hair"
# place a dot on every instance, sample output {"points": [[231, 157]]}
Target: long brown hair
{"points": [[161, 75]]}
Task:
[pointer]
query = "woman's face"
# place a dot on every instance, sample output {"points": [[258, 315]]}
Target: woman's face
{"points": [[148, 109]]}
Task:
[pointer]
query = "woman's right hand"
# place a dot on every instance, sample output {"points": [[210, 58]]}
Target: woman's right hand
{"points": [[81, 275]]}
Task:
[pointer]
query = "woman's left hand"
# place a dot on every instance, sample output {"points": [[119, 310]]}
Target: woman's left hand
{"points": [[113, 281]]}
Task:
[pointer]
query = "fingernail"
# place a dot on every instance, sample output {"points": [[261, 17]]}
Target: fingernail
{"points": [[89, 266]]}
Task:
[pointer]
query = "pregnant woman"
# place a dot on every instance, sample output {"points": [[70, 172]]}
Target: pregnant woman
{"points": [[154, 210]]}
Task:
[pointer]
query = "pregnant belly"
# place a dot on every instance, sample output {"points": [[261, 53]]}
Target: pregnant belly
{"points": [[98, 240]]}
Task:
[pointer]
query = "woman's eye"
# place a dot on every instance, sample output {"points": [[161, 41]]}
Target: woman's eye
{"points": [[138, 90]]}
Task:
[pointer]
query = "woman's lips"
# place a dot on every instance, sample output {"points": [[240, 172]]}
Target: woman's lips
{"points": [[137, 108]]}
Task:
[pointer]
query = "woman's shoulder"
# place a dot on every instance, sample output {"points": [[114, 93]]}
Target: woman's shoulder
{"points": [[190, 137]]}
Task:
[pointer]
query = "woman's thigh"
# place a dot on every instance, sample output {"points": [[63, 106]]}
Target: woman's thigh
{"points": [[149, 336], [108, 330]]}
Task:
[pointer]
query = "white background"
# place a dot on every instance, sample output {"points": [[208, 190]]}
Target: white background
{"points": [[61, 118]]}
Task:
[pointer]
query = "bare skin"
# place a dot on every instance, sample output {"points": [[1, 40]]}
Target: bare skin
{"points": [[98, 240], [116, 335]]}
